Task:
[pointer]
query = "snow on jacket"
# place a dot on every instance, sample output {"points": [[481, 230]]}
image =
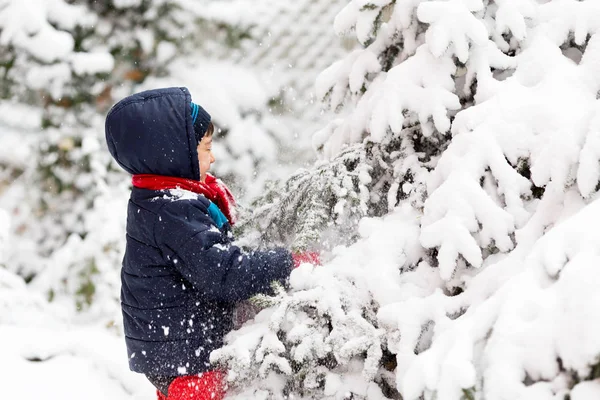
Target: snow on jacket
{"points": [[181, 276]]}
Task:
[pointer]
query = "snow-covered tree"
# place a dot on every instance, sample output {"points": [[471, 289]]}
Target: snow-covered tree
{"points": [[473, 127], [62, 55]]}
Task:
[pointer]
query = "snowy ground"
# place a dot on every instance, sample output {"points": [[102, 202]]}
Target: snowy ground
{"points": [[45, 355], [67, 363]]}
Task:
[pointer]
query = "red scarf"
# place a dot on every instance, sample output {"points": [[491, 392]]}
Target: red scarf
{"points": [[212, 188]]}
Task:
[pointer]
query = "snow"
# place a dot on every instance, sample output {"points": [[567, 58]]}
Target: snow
{"points": [[65, 358], [423, 84], [585, 391], [453, 22], [25, 24], [12, 150], [4, 233], [533, 325], [224, 89], [476, 274], [66, 364], [92, 63], [369, 264], [504, 209], [50, 46], [180, 194], [244, 136], [127, 3], [50, 77], [165, 51]]}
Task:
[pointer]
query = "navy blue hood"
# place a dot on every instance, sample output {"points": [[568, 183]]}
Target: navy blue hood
{"points": [[152, 133]]}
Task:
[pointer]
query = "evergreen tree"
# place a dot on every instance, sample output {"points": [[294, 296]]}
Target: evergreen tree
{"points": [[471, 150]]}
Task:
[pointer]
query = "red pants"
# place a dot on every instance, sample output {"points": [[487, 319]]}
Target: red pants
{"points": [[207, 386]]}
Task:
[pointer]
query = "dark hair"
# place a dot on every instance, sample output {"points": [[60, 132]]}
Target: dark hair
{"points": [[210, 130]]}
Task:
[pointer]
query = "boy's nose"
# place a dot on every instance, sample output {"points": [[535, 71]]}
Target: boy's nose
{"points": [[212, 158]]}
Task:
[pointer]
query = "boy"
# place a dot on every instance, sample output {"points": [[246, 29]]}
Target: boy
{"points": [[181, 276]]}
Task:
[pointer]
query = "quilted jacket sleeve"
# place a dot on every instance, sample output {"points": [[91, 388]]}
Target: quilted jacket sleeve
{"points": [[220, 270]]}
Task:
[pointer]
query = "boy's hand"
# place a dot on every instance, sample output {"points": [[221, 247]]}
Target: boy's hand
{"points": [[311, 257]]}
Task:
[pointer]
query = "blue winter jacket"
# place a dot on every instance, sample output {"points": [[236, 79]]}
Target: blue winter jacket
{"points": [[181, 276]]}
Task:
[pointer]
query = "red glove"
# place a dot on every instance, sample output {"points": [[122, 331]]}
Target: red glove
{"points": [[311, 257]]}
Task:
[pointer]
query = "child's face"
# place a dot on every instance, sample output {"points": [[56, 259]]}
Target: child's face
{"points": [[205, 156]]}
